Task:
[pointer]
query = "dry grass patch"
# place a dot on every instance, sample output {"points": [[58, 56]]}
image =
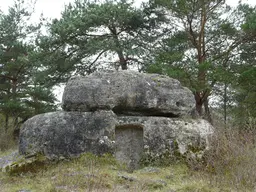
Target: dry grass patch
{"points": [[7, 140], [231, 161], [92, 173]]}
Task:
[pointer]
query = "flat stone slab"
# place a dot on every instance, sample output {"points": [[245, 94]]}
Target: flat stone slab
{"points": [[9, 159], [128, 93], [66, 134]]}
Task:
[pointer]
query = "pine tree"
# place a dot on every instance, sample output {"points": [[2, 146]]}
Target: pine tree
{"points": [[201, 48], [92, 35], [21, 93], [245, 95]]}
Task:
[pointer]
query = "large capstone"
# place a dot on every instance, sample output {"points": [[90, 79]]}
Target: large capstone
{"points": [[129, 93]]}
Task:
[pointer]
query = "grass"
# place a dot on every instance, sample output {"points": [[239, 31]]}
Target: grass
{"points": [[231, 160], [92, 173]]}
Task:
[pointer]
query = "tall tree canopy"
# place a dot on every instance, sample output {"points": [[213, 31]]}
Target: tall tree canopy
{"points": [[245, 86], [90, 31], [202, 46], [21, 93]]}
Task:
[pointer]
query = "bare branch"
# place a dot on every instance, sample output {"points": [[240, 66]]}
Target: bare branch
{"points": [[8, 77], [95, 60]]}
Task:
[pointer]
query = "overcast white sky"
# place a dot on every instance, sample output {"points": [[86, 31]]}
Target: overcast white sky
{"points": [[53, 8]]}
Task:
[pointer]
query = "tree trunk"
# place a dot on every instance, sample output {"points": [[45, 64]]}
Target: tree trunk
{"points": [[202, 105], [207, 112], [119, 49], [225, 104], [6, 125], [122, 60], [199, 104], [14, 89]]}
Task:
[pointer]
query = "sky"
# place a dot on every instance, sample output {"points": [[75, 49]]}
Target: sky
{"points": [[53, 8], [49, 8]]}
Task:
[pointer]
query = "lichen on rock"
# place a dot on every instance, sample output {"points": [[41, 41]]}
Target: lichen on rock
{"points": [[103, 107]]}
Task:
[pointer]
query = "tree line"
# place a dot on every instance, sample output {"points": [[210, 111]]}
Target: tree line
{"points": [[207, 45]]}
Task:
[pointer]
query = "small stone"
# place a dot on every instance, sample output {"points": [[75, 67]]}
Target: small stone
{"points": [[170, 190], [160, 181], [157, 184], [170, 177], [127, 177], [150, 170]]}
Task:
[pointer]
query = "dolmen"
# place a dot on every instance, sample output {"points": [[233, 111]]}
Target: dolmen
{"points": [[137, 117]]}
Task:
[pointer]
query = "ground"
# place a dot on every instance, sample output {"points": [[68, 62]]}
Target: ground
{"points": [[92, 173]]}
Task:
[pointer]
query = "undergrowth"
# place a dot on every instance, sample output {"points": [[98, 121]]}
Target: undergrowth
{"points": [[231, 159], [93, 173], [7, 140]]}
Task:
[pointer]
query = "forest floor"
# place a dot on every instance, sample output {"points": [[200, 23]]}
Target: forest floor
{"points": [[103, 174]]}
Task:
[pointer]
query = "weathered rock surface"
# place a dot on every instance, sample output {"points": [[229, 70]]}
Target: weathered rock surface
{"points": [[170, 135], [9, 159], [128, 92], [129, 114], [67, 134]]}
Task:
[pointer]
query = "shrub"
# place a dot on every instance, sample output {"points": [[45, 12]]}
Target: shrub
{"points": [[7, 140], [232, 157]]}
